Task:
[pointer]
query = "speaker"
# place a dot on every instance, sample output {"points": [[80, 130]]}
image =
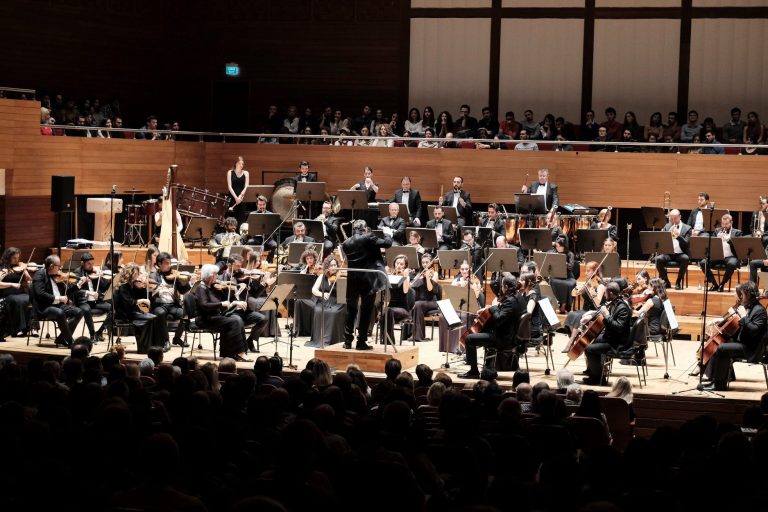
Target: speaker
{"points": [[62, 193]]}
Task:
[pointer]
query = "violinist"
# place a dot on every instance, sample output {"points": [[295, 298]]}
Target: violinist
{"points": [[51, 299], [640, 290], [393, 225], [130, 297], [400, 296], [655, 294], [617, 317], [328, 315], [89, 295], [449, 339], [591, 291], [222, 243], [681, 236], [610, 246], [500, 331], [165, 297], [603, 221], [228, 289], [529, 297], [257, 285], [562, 288], [427, 293], [308, 263], [475, 251], [725, 233], [747, 343], [14, 288], [467, 279], [414, 240], [150, 259], [115, 263], [494, 221]]}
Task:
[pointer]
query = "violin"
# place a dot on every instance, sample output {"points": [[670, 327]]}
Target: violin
{"points": [[29, 267], [66, 278], [222, 286]]}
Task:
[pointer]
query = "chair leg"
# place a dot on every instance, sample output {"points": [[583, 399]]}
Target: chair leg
{"points": [[672, 352], [765, 372]]}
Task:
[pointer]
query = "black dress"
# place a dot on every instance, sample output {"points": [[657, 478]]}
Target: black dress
{"points": [[328, 319], [238, 184], [151, 330], [562, 288], [16, 307]]}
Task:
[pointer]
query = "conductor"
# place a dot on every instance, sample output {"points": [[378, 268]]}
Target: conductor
{"points": [[363, 251]]}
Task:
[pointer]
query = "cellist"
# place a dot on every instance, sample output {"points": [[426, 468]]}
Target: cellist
{"points": [[500, 329], [747, 342], [617, 316]]}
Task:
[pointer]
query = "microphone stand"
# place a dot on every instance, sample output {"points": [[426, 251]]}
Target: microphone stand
{"points": [[112, 264]]}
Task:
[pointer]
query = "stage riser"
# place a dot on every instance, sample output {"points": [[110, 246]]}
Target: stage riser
{"points": [[197, 256], [369, 361]]}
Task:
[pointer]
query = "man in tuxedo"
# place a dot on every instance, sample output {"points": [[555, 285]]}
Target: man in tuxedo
{"points": [[443, 228], [412, 198], [363, 251], [543, 187], [304, 174], [331, 227], [393, 226], [89, 296], [459, 198], [696, 219], [615, 335], [52, 303], [299, 234], [681, 236], [725, 233], [494, 221], [261, 208]]}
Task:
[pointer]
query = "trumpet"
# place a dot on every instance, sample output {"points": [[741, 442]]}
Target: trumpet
{"points": [[675, 232]]}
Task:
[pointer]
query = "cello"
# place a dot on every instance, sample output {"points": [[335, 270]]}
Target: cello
{"points": [[725, 329], [586, 335]]}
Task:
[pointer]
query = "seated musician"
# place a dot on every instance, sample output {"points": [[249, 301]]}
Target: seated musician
{"points": [[443, 229], [258, 284], [617, 318], [494, 221], [529, 296], [655, 294], [393, 225], [159, 221], [230, 289], [52, 300], [211, 315], [89, 295], [400, 297], [591, 291], [14, 288], [724, 233], [131, 296], [414, 240], [544, 187], [308, 263], [681, 235], [449, 339], [150, 259], [748, 342], [299, 235], [370, 187], [610, 245], [427, 293], [475, 251], [459, 199], [222, 243], [328, 315], [331, 227], [304, 174], [411, 197], [603, 221], [115, 263], [465, 278], [500, 330], [696, 219], [760, 221], [261, 208], [640, 290], [166, 296], [562, 288]]}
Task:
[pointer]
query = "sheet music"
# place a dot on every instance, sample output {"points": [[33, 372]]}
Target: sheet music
{"points": [[671, 318]]}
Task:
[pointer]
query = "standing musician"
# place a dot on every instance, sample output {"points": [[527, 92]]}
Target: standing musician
{"points": [[14, 289], [304, 174], [499, 332], [363, 251], [237, 183], [331, 227], [165, 297], [459, 199], [211, 315], [269, 245], [370, 187], [617, 317], [427, 293], [562, 288], [89, 296], [760, 221], [130, 297], [725, 233], [223, 287], [591, 291], [681, 235], [603, 221], [50, 298], [393, 226], [222, 243], [696, 219], [543, 187], [443, 229], [494, 221], [749, 342], [410, 196], [400, 297]]}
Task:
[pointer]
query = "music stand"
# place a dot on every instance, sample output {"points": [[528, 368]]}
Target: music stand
{"points": [[276, 297], [254, 191], [452, 259], [536, 239], [200, 229], [530, 203], [410, 252], [314, 228], [449, 212], [551, 264], [263, 224], [482, 235], [699, 245], [403, 213], [296, 249], [716, 214], [656, 242], [502, 260], [590, 240], [352, 200], [611, 265], [307, 190], [748, 248], [654, 217], [458, 297], [453, 320], [428, 237]]}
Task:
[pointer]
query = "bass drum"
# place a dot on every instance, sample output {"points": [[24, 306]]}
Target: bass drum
{"points": [[283, 197]]}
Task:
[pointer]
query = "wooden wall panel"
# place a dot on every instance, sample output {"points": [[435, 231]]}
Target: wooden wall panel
{"points": [[29, 224]]}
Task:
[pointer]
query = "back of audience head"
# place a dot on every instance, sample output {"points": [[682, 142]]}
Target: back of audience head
{"points": [[261, 366], [590, 405], [322, 373], [445, 379], [520, 376], [435, 394], [392, 368], [424, 375], [155, 354], [524, 392], [564, 378], [227, 365], [182, 364], [573, 393]]}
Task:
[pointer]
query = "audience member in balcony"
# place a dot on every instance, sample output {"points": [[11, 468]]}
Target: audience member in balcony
{"points": [[413, 126], [175, 127], [482, 133], [45, 117], [692, 150], [308, 120], [80, 133], [672, 128], [339, 123], [744, 151], [325, 141], [149, 130], [378, 119], [105, 134], [290, 123], [382, 140], [651, 149], [653, 127], [428, 118], [626, 136], [530, 125], [272, 124], [630, 123], [715, 148], [547, 128], [98, 112], [364, 132], [363, 119], [57, 106], [708, 124], [691, 128], [307, 130], [489, 122], [589, 127], [602, 136], [560, 146], [526, 145], [342, 140], [69, 113], [465, 125], [613, 127], [428, 142], [754, 129], [563, 129], [326, 118], [733, 130], [509, 128], [395, 126], [444, 124], [118, 124]]}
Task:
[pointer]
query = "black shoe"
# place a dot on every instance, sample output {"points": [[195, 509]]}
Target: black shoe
{"points": [[99, 336], [166, 347], [678, 286], [94, 339], [348, 346], [180, 342], [241, 359], [592, 381], [714, 386], [585, 372], [667, 284], [471, 374], [714, 288], [62, 342], [721, 288], [363, 346]]}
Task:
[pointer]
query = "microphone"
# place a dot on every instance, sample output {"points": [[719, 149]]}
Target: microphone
{"points": [[114, 188]]}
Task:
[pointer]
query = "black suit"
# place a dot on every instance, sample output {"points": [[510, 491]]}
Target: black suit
{"points": [[66, 316], [499, 228], [615, 337], [398, 226], [613, 233], [681, 258], [500, 330], [692, 222], [731, 262], [310, 177], [551, 199], [332, 232], [414, 202], [446, 240], [87, 306], [306, 239], [464, 212], [363, 251]]}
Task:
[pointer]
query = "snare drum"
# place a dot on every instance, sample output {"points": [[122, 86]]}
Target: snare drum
{"points": [[151, 207], [135, 213]]}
